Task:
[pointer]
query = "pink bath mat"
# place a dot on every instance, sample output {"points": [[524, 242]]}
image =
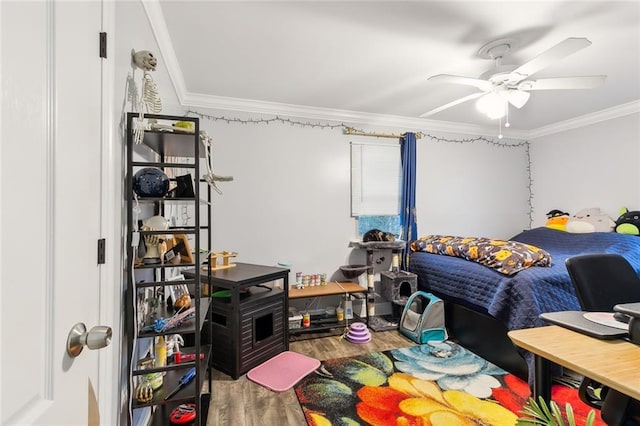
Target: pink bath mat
{"points": [[283, 371]]}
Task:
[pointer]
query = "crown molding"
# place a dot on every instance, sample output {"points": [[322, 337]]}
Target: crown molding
{"points": [[632, 107], [161, 33], [194, 100]]}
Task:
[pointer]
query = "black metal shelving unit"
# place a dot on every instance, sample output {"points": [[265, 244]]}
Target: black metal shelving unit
{"points": [[156, 147]]}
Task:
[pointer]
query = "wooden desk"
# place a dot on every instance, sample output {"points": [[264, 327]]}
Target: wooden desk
{"points": [[331, 324], [615, 363], [331, 288]]}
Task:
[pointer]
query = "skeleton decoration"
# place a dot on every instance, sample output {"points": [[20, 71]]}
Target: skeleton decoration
{"points": [[150, 98], [211, 177], [145, 60]]}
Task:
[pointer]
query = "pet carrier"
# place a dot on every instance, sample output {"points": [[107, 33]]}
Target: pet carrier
{"points": [[423, 318]]}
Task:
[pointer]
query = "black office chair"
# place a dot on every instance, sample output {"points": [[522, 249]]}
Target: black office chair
{"points": [[602, 281]]}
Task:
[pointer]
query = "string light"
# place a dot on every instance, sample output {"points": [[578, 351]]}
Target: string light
{"points": [[520, 144], [276, 119], [342, 126]]}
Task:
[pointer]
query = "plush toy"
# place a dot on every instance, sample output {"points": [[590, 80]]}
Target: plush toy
{"points": [[557, 219], [628, 222], [590, 220]]}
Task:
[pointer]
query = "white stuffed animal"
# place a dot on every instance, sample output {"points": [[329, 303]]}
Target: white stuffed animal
{"points": [[590, 220]]}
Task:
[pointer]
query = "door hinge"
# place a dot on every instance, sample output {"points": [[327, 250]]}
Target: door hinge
{"points": [[101, 251], [103, 45]]}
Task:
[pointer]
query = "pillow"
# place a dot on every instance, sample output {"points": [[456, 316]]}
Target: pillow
{"points": [[506, 257]]}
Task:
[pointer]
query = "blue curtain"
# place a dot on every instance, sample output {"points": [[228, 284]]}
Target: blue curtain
{"points": [[408, 191]]}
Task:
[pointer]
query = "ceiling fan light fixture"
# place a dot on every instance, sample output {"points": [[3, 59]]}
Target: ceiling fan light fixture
{"points": [[510, 84], [493, 105], [518, 98]]}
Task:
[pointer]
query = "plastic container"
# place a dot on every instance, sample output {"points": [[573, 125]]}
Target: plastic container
{"points": [[348, 307], [161, 352], [155, 379], [295, 322]]}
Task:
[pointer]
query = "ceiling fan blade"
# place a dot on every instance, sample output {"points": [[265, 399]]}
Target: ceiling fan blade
{"points": [[483, 85], [548, 57], [451, 104], [561, 83]]}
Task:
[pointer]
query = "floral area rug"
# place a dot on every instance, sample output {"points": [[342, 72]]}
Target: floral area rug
{"points": [[432, 384]]}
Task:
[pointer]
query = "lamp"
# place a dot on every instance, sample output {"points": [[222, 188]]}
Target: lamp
{"points": [[493, 105], [517, 98]]}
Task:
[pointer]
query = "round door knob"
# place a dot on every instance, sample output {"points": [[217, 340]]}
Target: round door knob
{"points": [[98, 337]]}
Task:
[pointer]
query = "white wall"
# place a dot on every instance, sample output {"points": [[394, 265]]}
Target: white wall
{"points": [[472, 189], [592, 166], [290, 198]]}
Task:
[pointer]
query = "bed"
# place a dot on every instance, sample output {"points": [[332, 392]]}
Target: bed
{"points": [[482, 304]]}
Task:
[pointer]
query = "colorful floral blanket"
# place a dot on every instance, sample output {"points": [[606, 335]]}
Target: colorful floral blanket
{"points": [[506, 257]]}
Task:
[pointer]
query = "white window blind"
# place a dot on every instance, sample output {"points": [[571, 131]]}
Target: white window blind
{"points": [[375, 179]]}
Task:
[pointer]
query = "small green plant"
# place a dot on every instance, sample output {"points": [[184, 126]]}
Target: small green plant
{"points": [[541, 413]]}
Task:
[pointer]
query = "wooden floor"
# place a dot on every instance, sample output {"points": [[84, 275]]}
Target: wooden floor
{"points": [[244, 403]]}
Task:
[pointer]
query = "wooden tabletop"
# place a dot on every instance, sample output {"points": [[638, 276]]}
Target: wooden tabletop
{"points": [[615, 363], [332, 287]]}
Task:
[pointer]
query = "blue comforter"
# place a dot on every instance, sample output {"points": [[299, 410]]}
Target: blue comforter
{"points": [[518, 300]]}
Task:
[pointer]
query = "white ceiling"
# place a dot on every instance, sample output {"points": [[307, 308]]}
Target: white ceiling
{"points": [[375, 57]]}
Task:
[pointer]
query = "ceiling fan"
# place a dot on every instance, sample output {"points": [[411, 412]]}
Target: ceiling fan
{"points": [[504, 85]]}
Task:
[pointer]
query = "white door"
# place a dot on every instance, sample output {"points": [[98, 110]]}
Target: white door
{"points": [[50, 212]]}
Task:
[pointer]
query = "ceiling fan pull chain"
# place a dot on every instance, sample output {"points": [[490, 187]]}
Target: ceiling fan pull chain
{"points": [[500, 128], [506, 121]]}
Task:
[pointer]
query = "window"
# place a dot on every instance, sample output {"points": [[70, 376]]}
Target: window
{"points": [[375, 186], [375, 179], [384, 223]]}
